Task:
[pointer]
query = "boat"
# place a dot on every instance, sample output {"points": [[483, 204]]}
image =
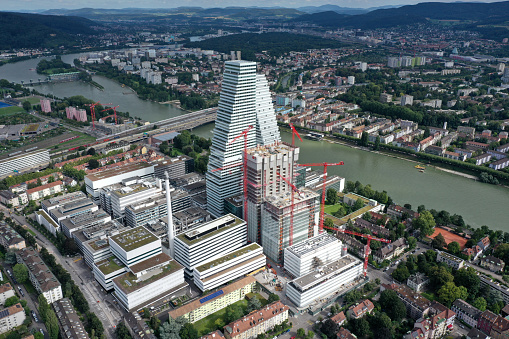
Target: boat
{"points": [[422, 171], [315, 136], [419, 167]]}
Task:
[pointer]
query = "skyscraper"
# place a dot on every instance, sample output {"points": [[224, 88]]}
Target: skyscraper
{"points": [[244, 101]]}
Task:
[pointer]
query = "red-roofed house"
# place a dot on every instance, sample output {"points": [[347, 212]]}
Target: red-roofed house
{"points": [[435, 326], [339, 318], [343, 333], [45, 190], [360, 310]]}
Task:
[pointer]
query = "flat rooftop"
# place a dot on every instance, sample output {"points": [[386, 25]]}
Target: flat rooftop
{"points": [[285, 199], [312, 244], [270, 150], [209, 229], [98, 244], [110, 265], [228, 257], [150, 262], [325, 272], [134, 238], [7, 158], [128, 190], [118, 171], [64, 199]]}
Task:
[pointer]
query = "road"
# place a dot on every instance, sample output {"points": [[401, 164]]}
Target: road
{"points": [[101, 304]]}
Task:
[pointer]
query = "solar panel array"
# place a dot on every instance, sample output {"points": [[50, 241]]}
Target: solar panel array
{"points": [[211, 296], [4, 313]]}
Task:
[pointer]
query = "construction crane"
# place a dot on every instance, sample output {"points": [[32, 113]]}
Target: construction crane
{"points": [[92, 112], [114, 111], [295, 189], [294, 133], [325, 165], [367, 248]]}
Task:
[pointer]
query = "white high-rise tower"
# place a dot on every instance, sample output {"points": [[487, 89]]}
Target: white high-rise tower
{"points": [[244, 96]]}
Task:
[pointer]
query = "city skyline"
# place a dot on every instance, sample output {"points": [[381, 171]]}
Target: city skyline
{"points": [[40, 5]]}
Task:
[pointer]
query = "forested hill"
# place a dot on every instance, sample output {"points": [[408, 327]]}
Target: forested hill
{"points": [[481, 13], [22, 30], [275, 43]]}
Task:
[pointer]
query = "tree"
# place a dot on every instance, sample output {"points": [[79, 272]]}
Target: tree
{"points": [[301, 332], [329, 328], [377, 143], [253, 304], [359, 203], [439, 241], [27, 106], [232, 313], [94, 324], [38, 335], [412, 242], [480, 303], [367, 216], [401, 273], [454, 247], [381, 324], [93, 164], [425, 223], [20, 272], [51, 179], [52, 324], [450, 292], [121, 331], [439, 276], [273, 297], [43, 307], [392, 305], [10, 257], [11, 301], [359, 327], [328, 222], [332, 196], [468, 278], [188, 332], [91, 151], [364, 139]]}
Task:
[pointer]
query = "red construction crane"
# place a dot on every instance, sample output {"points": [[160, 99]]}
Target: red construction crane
{"points": [[92, 112], [368, 249], [114, 111], [294, 132], [325, 165], [295, 189]]}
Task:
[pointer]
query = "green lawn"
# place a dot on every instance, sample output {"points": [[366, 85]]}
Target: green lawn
{"points": [[31, 232], [331, 209], [428, 295], [208, 324], [10, 110]]}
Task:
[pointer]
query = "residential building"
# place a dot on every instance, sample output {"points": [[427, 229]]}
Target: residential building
{"points": [[9, 238], [9, 199], [331, 278], [40, 275], [6, 291], [304, 257], [22, 162], [385, 97], [11, 317], [417, 306], [135, 245], [45, 190], [339, 318], [343, 333], [360, 310], [391, 250], [500, 164], [148, 281], [238, 105], [468, 131], [45, 105], [376, 230], [436, 326], [492, 263], [70, 323], [397, 211], [257, 322], [450, 260], [486, 321], [407, 100], [417, 281], [277, 216], [215, 301], [474, 333], [138, 327], [466, 312], [482, 159], [229, 267], [500, 328]]}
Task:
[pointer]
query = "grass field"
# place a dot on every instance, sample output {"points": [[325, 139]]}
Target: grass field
{"points": [[428, 295], [208, 324], [10, 110], [32, 100], [331, 209]]}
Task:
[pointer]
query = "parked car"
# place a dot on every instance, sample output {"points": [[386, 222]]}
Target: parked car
{"points": [[21, 291]]}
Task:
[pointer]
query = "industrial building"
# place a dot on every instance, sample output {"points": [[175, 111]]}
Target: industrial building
{"points": [[265, 165], [135, 245], [83, 221], [276, 220], [108, 269], [229, 267], [94, 182], [305, 256], [176, 167], [146, 211], [21, 162], [210, 241], [244, 95], [325, 281]]}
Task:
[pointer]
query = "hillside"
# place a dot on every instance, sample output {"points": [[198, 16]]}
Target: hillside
{"points": [[275, 43], [22, 30]]}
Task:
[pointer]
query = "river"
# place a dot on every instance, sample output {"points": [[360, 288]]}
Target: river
{"points": [[478, 203]]}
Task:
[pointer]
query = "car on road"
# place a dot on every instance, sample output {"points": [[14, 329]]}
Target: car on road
{"points": [[35, 317], [42, 331], [21, 291]]}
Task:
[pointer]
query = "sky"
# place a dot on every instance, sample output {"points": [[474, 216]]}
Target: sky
{"points": [[11, 5]]}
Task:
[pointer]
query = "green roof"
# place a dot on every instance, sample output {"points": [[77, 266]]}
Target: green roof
{"points": [[355, 214], [47, 217], [110, 265], [129, 282], [228, 257], [188, 241], [134, 238], [104, 243], [120, 193]]}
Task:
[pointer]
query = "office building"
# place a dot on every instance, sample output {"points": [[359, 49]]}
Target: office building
{"points": [[209, 241], [108, 269], [243, 96], [276, 219], [229, 267], [176, 167], [40, 275], [70, 323], [96, 181], [149, 281], [146, 211], [189, 218], [135, 245], [215, 301], [331, 278], [305, 256], [11, 317], [22, 162], [265, 165], [257, 322], [83, 221], [95, 250]]}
